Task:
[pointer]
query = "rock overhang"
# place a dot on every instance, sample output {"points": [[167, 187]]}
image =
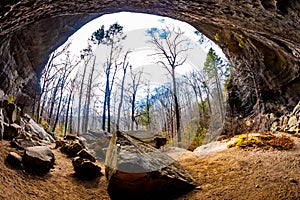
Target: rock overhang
{"points": [[268, 30]]}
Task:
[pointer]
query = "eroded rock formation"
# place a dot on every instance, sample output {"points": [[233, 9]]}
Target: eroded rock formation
{"points": [[260, 37]]}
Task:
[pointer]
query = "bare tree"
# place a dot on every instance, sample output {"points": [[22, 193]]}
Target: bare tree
{"points": [[125, 65], [112, 38], [66, 71], [48, 77], [88, 96], [133, 88], [86, 55], [171, 47]]}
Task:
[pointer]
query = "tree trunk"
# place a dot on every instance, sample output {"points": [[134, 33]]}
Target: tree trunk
{"points": [[105, 102], [80, 97], [58, 108], [71, 117], [219, 91], [133, 111], [89, 90], [53, 101], [121, 98], [67, 114], [177, 109]]}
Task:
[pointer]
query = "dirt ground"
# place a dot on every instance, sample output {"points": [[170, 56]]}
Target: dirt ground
{"points": [[60, 183], [229, 174]]}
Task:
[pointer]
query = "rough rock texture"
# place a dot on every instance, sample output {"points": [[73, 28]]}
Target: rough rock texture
{"points": [[71, 147], [149, 137], [260, 37], [136, 170], [86, 169], [84, 153], [289, 123], [38, 159], [97, 142], [15, 160]]}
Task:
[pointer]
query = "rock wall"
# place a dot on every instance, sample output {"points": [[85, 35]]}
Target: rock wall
{"points": [[260, 37]]}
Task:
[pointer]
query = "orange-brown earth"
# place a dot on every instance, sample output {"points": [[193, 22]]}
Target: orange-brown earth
{"points": [[229, 174]]}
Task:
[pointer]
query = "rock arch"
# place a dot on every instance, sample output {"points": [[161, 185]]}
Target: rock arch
{"points": [[262, 35]]}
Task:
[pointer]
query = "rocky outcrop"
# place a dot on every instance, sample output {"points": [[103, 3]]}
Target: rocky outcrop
{"points": [[38, 159], [260, 38], [289, 123], [22, 130], [136, 170]]}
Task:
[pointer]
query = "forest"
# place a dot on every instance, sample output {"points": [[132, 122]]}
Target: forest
{"points": [[84, 93]]}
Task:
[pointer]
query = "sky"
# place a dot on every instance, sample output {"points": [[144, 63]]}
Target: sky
{"points": [[135, 26], [131, 21]]}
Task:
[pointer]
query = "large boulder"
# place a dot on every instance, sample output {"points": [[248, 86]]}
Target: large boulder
{"points": [[136, 170], [38, 159], [14, 160], [86, 169]]}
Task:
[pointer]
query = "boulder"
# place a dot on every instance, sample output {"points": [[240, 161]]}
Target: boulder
{"points": [[38, 159], [26, 139], [72, 148], [11, 131], [85, 169], [35, 129], [14, 160], [160, 141], [60, 143], [22, 144], [136, 170], [84, 153], [149, 137], [71, 137], [97, 142]]}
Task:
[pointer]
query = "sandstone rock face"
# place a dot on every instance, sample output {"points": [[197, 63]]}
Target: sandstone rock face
{"points": [[258, 35]]}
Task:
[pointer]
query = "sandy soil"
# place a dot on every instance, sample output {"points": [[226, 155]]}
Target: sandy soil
{"points": [[227, 174], [246, 174], [60, 183]]}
